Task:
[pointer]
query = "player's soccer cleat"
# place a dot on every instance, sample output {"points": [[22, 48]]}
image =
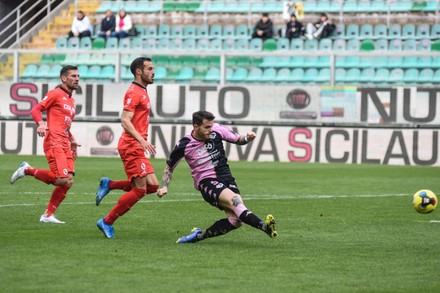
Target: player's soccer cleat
{"points": [[191, 238], [106, 229], [51, 219], [19, 173], [269, 223], [103, 189]]}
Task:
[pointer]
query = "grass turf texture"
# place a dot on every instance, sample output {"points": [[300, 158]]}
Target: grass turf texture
{"points": [[342, 228]]}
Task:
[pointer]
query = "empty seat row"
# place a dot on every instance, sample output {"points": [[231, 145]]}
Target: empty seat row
{"points": [[46, 71]]}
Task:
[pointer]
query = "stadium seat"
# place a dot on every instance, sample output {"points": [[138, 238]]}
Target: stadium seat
{"points": [[125, 44], [254, 74], [85, 43], [189, 44], [425, 75], [424, 45], [367, 75], [408, 31], [94, 72], [160, 73], [202, 44], [367, 45], [283, 75], [350, 6], [436, 77], [164, 31], [410, 45], [177, 31], [352, 31], [215, 45], [98, 43], [215, 31], [435, 31], [395, 62], [380, 31], [111, 43], [43, 71], [46, 59], [202, 31], [189, 31], [242, 32], [150, 31], [239, 74], [409, 62], [269, 74], [30, 71], [340, 61], [378, 6], [424, 61], [395, 45], [140, 30], [400, 6], [256, 44], [352, 75], [381, 76], [73, 43], [323, 76], [310, 75], [228, 31], [381, 45], [339, 32], [339, 45], [242, 44], [228, 45], [395, 31], [423, 31], [297, 44], [326, 44], [283, 44], [137, 43], [411, 76], [212, 74], [269, 61], [150, 44], [435, 62], [83, 70], [297, 75], [108, 72], [126, 74], [435, 46], [366, 31], [297, 61], [175, 44], [353, 45], [340, 75], [199, 73], [163, 44], [396, 75], [311, 45], [61, 43], [269, 45], [185, 74], [311, 61]]}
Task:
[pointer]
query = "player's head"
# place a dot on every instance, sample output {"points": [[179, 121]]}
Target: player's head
{"points": [[143, 70], [202, 123], [69, 77]]}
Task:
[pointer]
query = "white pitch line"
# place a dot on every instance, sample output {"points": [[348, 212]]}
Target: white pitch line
{"points": [[262, 197]]}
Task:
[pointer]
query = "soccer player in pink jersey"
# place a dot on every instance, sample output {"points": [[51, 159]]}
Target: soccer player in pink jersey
{"points": [[203, 151], [132, 147], [60, 146]]}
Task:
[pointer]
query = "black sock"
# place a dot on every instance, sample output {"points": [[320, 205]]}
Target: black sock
{"points": [[221, 227], [249, 218]]}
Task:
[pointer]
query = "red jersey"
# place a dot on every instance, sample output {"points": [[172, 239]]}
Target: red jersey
{"points": [[137, 101], [60, 110]]}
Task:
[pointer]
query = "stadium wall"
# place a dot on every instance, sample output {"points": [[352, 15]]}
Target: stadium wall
{"points": [[395, 125]]}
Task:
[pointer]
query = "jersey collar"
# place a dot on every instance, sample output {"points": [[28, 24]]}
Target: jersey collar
{"points": [[66, 91], [138, 84]]}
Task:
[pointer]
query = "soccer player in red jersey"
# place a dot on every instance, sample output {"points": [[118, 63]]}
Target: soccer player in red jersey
{"points": [[133, 148], [59, 146]]}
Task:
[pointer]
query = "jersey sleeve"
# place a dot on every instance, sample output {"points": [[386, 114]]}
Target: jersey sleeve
{"points": [[226, 133], [177, 153], [131, 102], [47, 101]]}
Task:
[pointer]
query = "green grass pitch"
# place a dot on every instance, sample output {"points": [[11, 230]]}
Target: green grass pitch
{"points": [[342, 228]]}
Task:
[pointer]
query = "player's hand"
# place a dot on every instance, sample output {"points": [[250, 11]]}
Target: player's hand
{"points": [[74, 146], [250, 136], [162, 191], [41, 130], [149, 147]]}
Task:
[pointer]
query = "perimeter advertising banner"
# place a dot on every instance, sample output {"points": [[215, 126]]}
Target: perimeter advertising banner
{"points": [[395, 146], [401, 105]]}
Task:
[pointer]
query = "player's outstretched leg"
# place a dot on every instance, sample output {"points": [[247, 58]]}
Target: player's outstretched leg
{"points": [[191, 238], [108, 230], [103, 189], [269, 226], [19, 173]]}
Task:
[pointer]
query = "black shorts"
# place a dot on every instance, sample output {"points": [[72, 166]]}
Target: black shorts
{"points": [[210, 188]]}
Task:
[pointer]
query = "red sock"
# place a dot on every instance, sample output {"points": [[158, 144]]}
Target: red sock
{"points": [[58, 195], [152, 188], [120, 184], [124, 204], [43, 175]]}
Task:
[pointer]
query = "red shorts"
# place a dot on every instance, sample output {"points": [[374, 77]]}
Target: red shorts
{"points": [[61, 161], [136, 163]]}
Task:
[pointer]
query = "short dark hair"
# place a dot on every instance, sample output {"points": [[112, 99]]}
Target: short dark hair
{"points": [[138, 63], [65, 70], [324, 15], [266, 14], [200, 115]]}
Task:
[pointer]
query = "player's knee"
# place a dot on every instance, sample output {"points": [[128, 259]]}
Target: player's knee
{"points": [[152, 188], [235, 222]]}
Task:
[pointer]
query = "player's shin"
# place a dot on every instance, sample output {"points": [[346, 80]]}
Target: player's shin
{"points": [[58, 195], [46, 176], [221, 227], [124, 204], [248, 217]]}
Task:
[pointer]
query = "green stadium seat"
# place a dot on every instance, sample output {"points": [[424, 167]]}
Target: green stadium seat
{"points": [[126, 74], [418, 6], [59, 58], [396, 75], [400, 6], [395, 31], [435, 46], [283, 75], [297, 75], [269, 75], [423, 31], [239, 75], [254, 74], [111, 43], [367, 45], [30, 71], [270, 45], [185, 74], [283, 44], [352, 75], [297, 44], [199, 73], [425, 75], [411, 76], [380, 31], [310, 75], [256, 44], [160, 73], [98, 43], [366, 31], [212, 74], [409, 31], [202, 61], [47, 59], [73, 43]]}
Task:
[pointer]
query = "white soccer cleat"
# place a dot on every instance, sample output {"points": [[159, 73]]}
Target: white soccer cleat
{"points": [[19, 173], [51, 219]]}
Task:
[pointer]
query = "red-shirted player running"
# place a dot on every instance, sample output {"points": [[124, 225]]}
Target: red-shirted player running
{"points": [[132, 147], [60, 146]]}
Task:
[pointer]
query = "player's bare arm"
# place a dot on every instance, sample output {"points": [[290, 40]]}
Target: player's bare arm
{"points": [[250, 136], [166, 179], [126, 118], [74, 146]]}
